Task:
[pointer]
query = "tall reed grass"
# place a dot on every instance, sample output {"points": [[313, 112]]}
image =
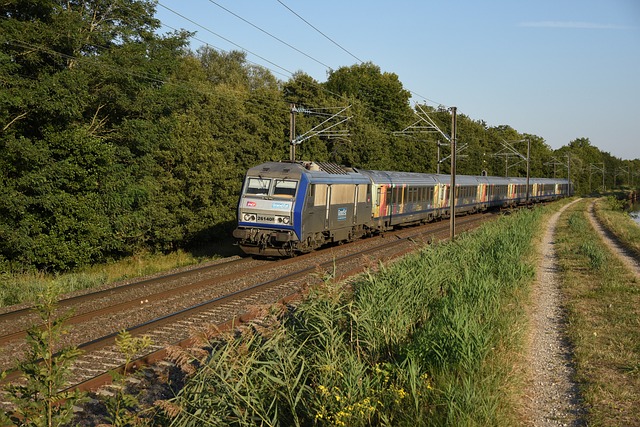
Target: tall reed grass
{"points": [[415, 344]]}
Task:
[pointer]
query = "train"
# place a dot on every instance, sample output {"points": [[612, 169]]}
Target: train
{"points": [[290, 208]]}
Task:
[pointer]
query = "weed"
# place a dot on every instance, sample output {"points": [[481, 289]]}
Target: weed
{"points": [[122, 405], [39, 400], [595, 253], [414, 344]]}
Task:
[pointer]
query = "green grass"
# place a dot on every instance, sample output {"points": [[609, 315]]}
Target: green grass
{"points": [[427, 341], [603, 302], [609, 212], [24, 288]]}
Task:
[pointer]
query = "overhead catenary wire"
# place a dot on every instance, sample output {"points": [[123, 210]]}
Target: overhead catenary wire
{"points": [[320, 32], [146, 76], [373, 107], [219, 49], [224, 38], [338, 96], [271, 35]]}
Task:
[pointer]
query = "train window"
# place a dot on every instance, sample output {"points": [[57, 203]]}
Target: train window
{"points": [[320, 196], [285, 188], [258, 186], [342, 193], [311, 194], [363, 195]]}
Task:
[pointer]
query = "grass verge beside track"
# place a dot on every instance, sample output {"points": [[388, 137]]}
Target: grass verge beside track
{"points": [[610, 214], [603, 303], [431, 340], [25, 287]]}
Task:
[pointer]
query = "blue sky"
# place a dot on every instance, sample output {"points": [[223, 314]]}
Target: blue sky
{"points": [[559, 69]]}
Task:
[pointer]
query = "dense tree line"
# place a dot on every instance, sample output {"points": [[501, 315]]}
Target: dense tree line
{"points": [[114, 139]]}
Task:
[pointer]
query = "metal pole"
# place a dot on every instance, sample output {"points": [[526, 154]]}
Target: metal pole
{"points": [[292, 132], [528, 168], [568, 172], [452, 191]]}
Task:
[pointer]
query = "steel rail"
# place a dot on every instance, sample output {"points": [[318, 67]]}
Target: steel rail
{"points": [[159, 322]]}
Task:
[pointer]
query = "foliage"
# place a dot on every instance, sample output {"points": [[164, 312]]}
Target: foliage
{"points": [[427, 356], [121, 405], [41, 400], [615, 204], [386, 100], [115, 140]]}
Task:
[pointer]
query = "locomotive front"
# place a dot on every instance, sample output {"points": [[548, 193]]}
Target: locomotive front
{"points": [[269, 209]]}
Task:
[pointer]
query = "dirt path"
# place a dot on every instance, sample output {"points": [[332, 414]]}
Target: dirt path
{"points": [[553, 398], [629, 260]]}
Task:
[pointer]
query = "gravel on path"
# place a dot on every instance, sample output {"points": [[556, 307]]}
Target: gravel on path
{"points": [[553, 398]]}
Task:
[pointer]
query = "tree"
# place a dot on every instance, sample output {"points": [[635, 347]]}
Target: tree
{"points": [[382, 93], [73, 76]]}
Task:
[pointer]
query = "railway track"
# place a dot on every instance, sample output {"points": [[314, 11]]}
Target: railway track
{"points": [[170, 309]]}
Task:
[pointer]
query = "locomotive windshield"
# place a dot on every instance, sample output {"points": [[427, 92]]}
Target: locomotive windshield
{"points": [[262, 187], [285, 188], [258, 186]]}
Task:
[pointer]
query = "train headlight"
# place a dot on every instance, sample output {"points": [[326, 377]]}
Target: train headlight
{"points": [[283, 219]]}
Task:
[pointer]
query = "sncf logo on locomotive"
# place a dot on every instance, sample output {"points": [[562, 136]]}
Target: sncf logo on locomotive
{"points": [[251, 204], [276, 205]]}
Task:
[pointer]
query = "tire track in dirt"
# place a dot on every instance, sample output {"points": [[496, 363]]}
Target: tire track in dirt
{"points": [[612, 242]]}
